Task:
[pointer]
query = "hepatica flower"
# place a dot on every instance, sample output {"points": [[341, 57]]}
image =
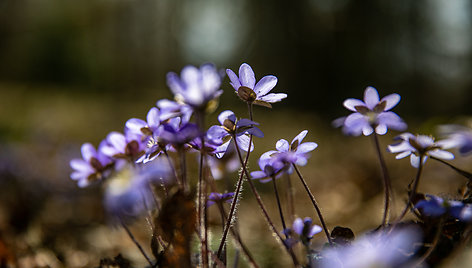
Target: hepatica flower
{"points": [[435, 206], [231, 128], [380, 249], [127, 146], [420, 147], [250, 91], [460, 137], [371, 114], [92, 167], [196, 87], [148, 127], [219, 198], [271, 167], [304, 230], [296, 152], [128, 193]]}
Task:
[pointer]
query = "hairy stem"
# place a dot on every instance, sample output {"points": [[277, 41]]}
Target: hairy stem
{"points": [[413, 190], [458, 170], [386, 180], [278, 203], [315, 204], [234, 202], [130, 234], [264, 210]]}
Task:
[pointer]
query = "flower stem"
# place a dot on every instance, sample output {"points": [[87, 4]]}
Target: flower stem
{"points": [[234, 202], [183, 170], [291, 205], [130, 234], [315, 204], [262, 207], [413, 190], [386, 180], [458, 170], [238, 237], [202, 194], [278, 203]]}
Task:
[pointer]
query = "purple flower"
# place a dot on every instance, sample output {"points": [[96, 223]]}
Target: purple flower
{"points": [[435, 206], [178, 135], [420, 147], [128, 193], [127, 146], [271, 167], [296, 152], [148, 127], [196, 87], [92, 167], [171, 109], [247, 89], [389, 248], [371, 114], [230, 128], [460, 137], [219, 198]]}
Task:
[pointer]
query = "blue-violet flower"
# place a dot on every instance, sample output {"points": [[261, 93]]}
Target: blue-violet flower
{"points": [[420, 147], [231, 128], [247, 89], [371, 114]]}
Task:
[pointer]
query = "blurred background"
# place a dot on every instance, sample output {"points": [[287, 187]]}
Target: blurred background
{"points": [[72, 71]]}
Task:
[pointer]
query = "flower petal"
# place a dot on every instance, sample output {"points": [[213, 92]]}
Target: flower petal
{"points": [[88, 151], [273, 97], [258, 174], [256, 132], [243, 143], [314, 230], [371, 97], [350, 104], [135, 125], [245, 122], [441, 154], [246, 76], [222, 149], [402, 155], [174, 83], [391, 100], [81, 166], [381, 129], [234, 79], [216, 133], [282, 145], [298, 225], [306, 147], [392, 120], [300, 137], [266, 84], [226, 115], [152, 118], [367, 130]]}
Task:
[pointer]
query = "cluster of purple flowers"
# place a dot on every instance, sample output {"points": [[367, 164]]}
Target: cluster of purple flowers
{"points": [[151, 153]]}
